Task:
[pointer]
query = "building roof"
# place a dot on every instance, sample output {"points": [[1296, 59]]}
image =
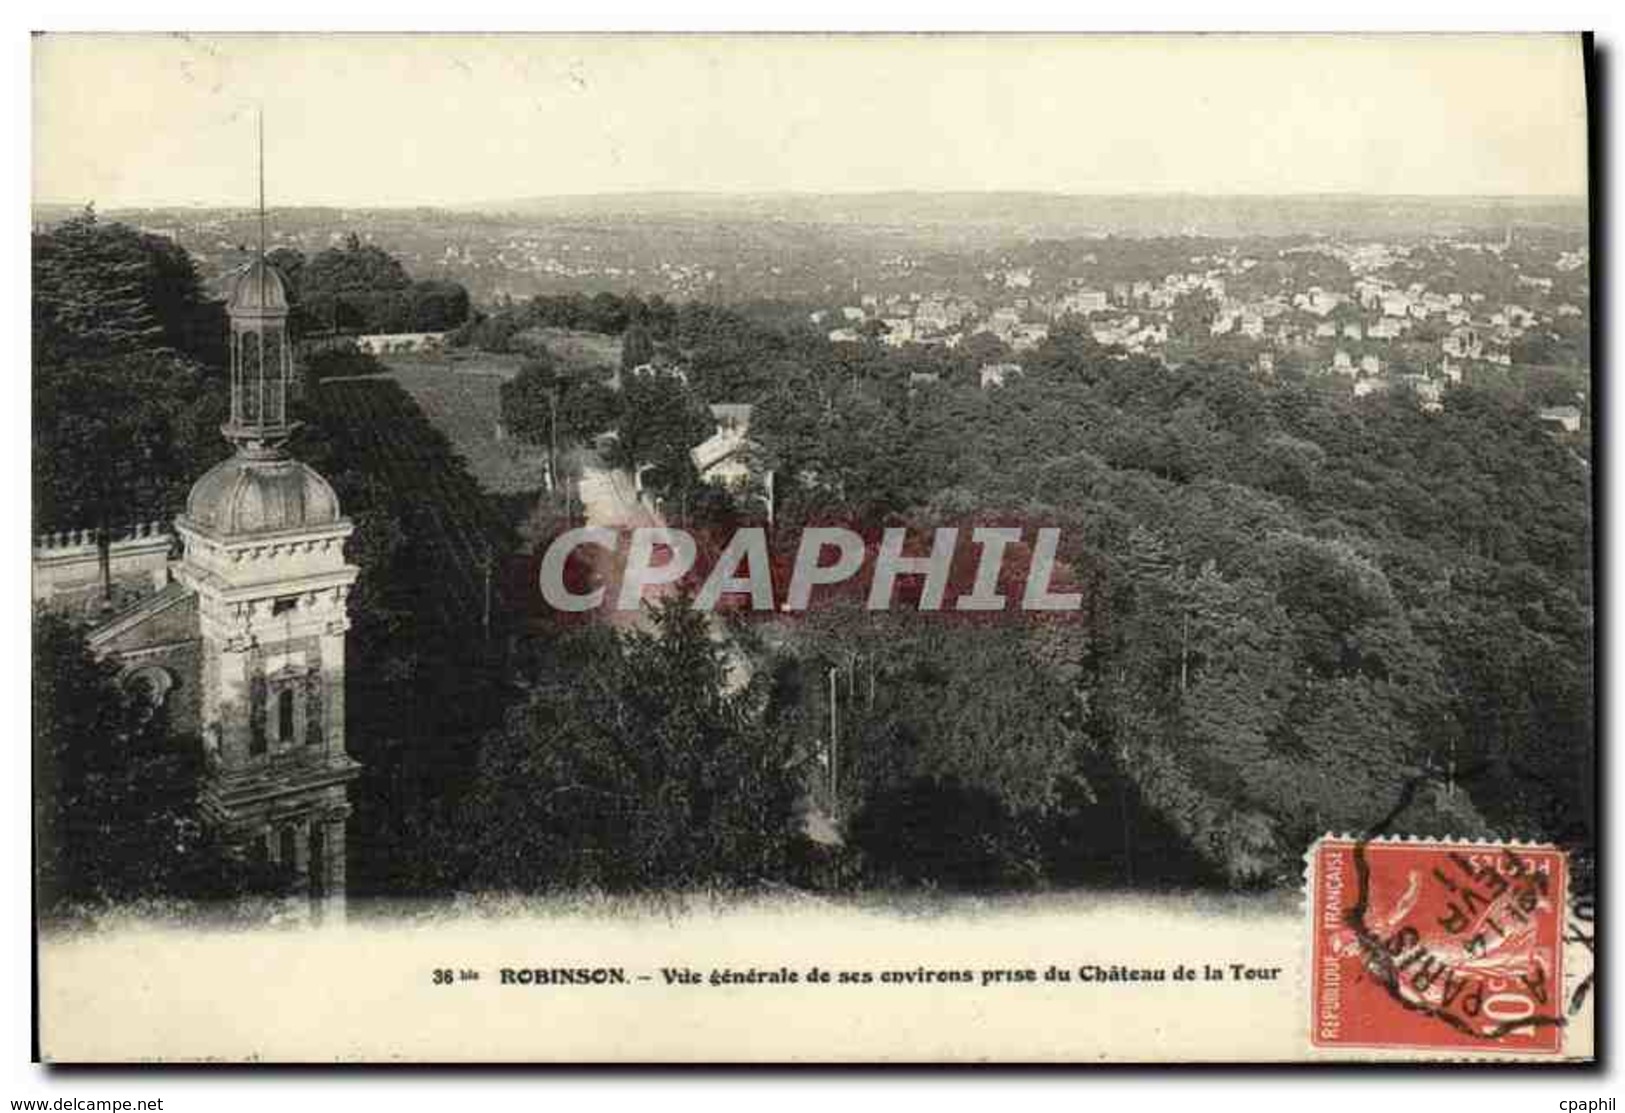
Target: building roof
{"points": [[113, 631], [736, 412], [245, 496], [257, 290]]}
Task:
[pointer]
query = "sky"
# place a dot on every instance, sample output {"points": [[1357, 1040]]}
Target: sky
{"points": [[389, 120]]}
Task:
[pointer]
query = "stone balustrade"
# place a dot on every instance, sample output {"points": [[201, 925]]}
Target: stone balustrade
{"points": [[86, 538]]}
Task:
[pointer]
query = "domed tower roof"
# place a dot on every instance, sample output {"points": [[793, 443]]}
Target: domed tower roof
{"points": [[257, 291], [244, 496]]}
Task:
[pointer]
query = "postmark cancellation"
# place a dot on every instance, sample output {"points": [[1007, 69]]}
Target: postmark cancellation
{"points": [[1439, 946]]}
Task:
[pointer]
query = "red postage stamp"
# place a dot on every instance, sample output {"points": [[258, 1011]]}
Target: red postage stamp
{"points": [[1437, 946]]}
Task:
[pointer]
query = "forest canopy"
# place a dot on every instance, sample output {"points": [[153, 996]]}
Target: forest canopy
{"points": [[1305, 611], [1311, 611]]}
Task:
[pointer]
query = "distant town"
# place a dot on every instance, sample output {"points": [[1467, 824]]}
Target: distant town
{"points": [[1395, 309]]}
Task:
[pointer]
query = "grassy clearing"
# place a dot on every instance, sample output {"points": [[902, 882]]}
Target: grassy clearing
{"points": [[461, 396], [580, 351], [460, 393]]}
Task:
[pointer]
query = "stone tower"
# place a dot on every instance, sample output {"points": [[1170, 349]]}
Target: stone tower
{"points": [[264, 554]]}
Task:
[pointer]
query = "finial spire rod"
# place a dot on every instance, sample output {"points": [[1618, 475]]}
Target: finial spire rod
{"points": [[260, 117]]}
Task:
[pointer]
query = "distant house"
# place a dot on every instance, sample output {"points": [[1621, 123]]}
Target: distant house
{"points": [[383, 343], [1429, 392], [1083, 302], [1028, 336], [722, 458], [1464, 343], [1567, 417], [997, 374], [1370, 292], [653, 369], [931, 316], [1004, 319], [1321, 302], [1114, 332], [1150, 334]]}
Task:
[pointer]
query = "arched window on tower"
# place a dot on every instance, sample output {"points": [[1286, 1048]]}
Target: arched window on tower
{"points": [[284, 717], [151, 686]]}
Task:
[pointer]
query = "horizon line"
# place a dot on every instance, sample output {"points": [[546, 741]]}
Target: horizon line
{"points": [[497, 205]]}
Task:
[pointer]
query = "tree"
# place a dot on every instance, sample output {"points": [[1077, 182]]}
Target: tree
{"points": [[530, 400], [983, 347], [337, 359], [546, 407], [587, 409], [120, 439], [839, 446], [115, 793], [290, 264], [436, 306], [94, 290], [363, 287], [660, 423], [124, 417], [637, 347], [1192, 317], [354, 267], [635, 764], [957, 745]]}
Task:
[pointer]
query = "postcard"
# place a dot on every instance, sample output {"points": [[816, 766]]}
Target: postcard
{"points": [[813, 548]]}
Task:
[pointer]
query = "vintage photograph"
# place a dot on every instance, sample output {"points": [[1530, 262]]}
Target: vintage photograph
{"points": [[1004, 548]]}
